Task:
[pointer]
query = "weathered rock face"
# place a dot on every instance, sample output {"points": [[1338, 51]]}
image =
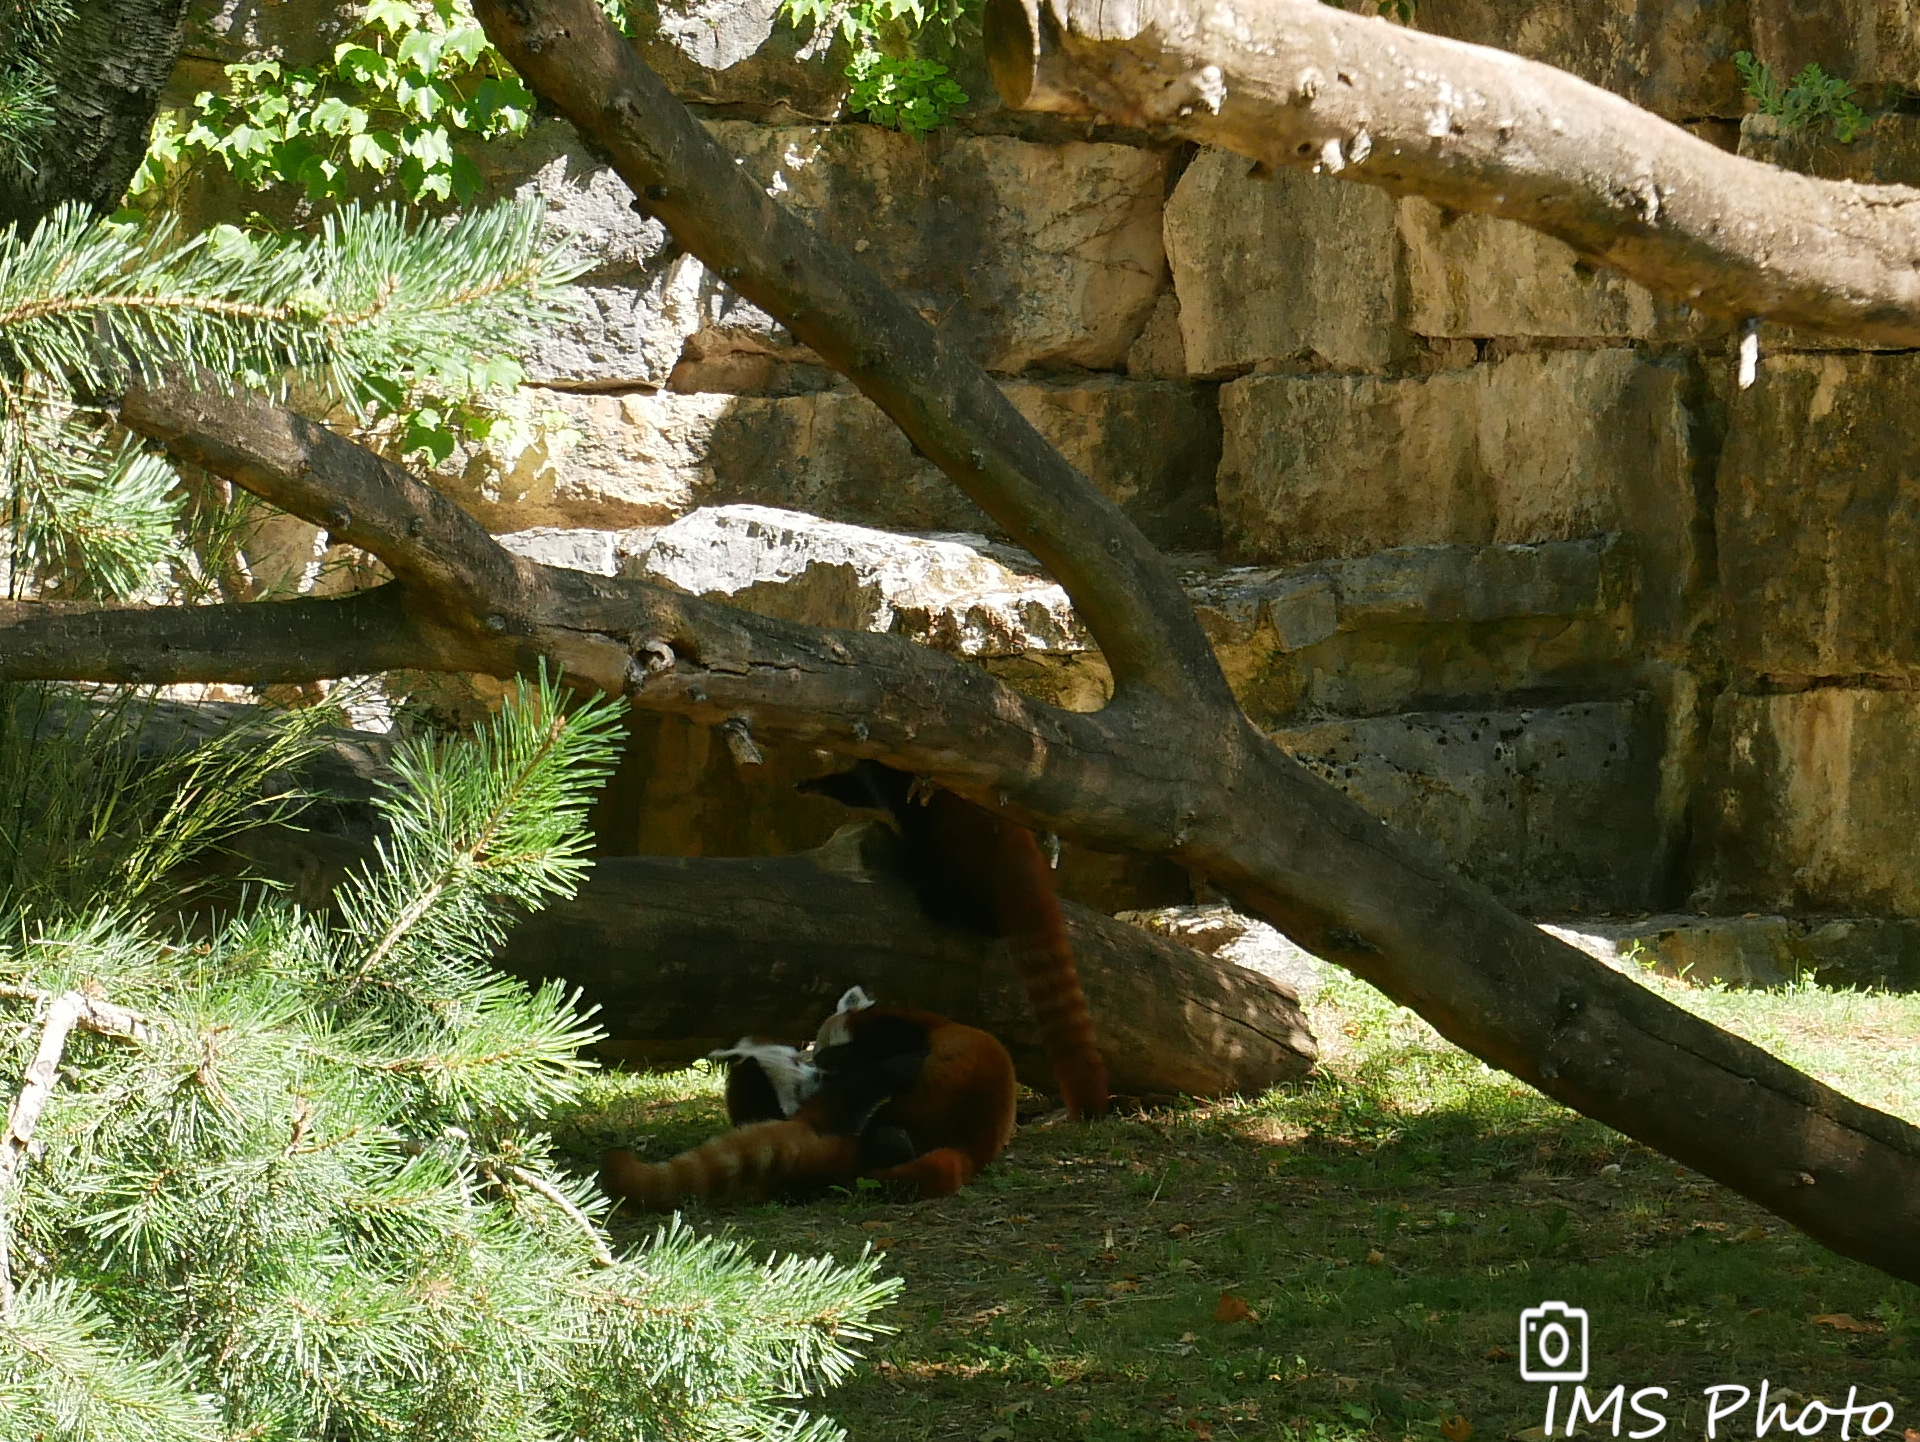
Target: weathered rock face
{"points": [[1282, 267], [1475, 275], [1754, 950], [1870, 42], [1819, 517], [643, 458], [1065, 273], [1416, 626], [1673, 59], [1811, 801], [1550, 808], [1542, 446], [944, 593]]}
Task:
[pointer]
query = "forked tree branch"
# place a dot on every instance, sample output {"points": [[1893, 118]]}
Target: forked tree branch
{"points": [[1300, 84]]}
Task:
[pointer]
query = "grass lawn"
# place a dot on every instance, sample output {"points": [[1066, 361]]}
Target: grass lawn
{"points": [[1345, 1258]]}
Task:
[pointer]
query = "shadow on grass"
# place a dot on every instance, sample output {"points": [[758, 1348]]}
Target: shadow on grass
{"points": [[1341, 1259]]}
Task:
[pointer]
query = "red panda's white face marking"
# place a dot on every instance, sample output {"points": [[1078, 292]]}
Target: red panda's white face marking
{"points": [[792, 1075]]}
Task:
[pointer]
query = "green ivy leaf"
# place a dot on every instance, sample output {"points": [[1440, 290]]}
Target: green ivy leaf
{"points": [[466, 178], [393, 16], [373, 150], [334, 116], [420, 50]]}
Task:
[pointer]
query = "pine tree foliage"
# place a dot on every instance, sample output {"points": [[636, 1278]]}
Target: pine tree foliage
{"points": [[309, 1200], [105, 791], [369, 306], [28, 28]]}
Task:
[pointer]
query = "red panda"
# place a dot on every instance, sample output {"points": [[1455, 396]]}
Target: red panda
{"points": [[973, 869], [904, 1097]]}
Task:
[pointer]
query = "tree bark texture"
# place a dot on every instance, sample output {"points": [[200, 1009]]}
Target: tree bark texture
{"points": [[1170, 768], [1300, 84], [686, 954], [107, 70]]}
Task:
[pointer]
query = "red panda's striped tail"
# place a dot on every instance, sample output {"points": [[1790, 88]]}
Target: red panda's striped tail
{"points": [[752, 1164], [1045, 962], [1005, 859]]}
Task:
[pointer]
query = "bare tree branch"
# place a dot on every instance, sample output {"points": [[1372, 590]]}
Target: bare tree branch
{"points": [[256, 643], [436, 549], [1301, 84]]}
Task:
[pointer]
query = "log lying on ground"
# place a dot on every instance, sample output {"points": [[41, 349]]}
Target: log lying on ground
{"points": [[685, 954]]}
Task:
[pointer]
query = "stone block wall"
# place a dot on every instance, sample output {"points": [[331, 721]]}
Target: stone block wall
{"points": [[1484, 535]]}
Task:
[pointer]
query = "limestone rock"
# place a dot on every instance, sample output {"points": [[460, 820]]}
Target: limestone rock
{"points": [[1870, 42], [1280, 267], [602, 553], [1810, 803], [1673, 57], [1551, 808], [1159, 352], [1539, 446], [1756, 951], [1816, 517], [942, 591], [1057, 262], [295, 32], [1222, 932], [642, 459], [1028, 254], [742, 54], [1384, 632], [1477, 275]]}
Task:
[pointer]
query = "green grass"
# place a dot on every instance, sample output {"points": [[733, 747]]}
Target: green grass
{"points": [[1385, 1223]]}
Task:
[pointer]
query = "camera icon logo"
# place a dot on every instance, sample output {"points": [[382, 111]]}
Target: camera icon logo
{"points": [[1553, 1343]]}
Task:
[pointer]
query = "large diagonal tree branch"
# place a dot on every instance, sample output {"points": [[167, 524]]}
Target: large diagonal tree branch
{"points": [[1299, 83], [1187, 778]]}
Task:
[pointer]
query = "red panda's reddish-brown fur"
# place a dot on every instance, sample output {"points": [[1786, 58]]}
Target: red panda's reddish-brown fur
{"points": [[1001, 859], [957, 1111], [976, 869]]}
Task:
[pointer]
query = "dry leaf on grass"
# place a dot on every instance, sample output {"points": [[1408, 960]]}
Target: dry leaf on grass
{"points": [[1843, 1322], [1231, 1309], [1456, 1429]]}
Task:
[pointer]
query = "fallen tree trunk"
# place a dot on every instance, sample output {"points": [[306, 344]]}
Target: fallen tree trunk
{"points": [[1303, 85], [685, 954]]}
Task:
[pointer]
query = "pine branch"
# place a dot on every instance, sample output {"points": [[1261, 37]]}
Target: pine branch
{"points": [[62, 1014]]}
